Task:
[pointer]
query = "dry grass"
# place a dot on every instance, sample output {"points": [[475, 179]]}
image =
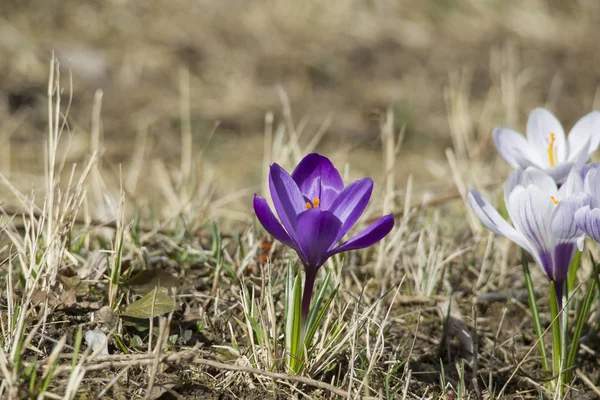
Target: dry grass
{"points": [[110, 193]]}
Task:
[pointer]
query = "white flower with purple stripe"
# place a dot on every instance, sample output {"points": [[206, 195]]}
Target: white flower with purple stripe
{"points": [[588, 217], [546, 146], [542, 217]]}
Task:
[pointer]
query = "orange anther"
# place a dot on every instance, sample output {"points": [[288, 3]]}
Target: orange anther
{"points": [[308, 205], [316, 202], [554, 199]]}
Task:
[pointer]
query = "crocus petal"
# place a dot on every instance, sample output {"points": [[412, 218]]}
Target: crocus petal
{"points": [[592, 182], [561, 261], [579, 157], [494, 221], [586, 130], [560, 172], [349, 205], [515, 149], [316, 232], [530, 210], [287, 198], [564, 227], [572, 186], [588, 220], [540, 127], [317, 178], [270, 223], [371, 235], [531, 176]]}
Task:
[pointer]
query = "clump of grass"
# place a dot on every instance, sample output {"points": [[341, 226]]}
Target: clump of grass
{"points": [[189, 307]]}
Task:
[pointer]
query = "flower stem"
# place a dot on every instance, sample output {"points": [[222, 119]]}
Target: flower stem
{"points": [[309, 284]]}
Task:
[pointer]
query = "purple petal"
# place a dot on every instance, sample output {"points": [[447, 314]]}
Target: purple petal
{"points": [[316, 232], [270, 223], [349, 205], [287, 199], [373, 234], [563, 255], [317, 178]]}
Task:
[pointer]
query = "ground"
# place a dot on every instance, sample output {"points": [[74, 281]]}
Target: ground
{"points": [[138, 181]]}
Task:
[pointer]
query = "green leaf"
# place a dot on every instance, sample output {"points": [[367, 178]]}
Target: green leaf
{"points": [[582, 316], [137, 342], [144, 309], [317, 312], [293, 323]]}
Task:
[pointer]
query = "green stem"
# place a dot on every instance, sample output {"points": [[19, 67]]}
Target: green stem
{"points": [[556, 335], [537, 323], [564, 334]]}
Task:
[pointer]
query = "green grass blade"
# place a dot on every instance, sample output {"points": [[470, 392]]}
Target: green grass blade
{"points": [[582, 317], [537, 323], [77, 346]]}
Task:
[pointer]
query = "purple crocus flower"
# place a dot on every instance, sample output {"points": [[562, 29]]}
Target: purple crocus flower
{"points": [[315, 211], [543, 217]]}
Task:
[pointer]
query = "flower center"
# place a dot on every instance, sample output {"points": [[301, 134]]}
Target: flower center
{"points": [[551, 149], [554, 200], [315, 203]]}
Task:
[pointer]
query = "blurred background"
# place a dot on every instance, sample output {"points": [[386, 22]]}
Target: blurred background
{"points": [[179, 96]]}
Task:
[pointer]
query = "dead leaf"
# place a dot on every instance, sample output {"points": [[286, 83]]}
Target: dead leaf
{"points": [[144, 309], [146, 280], [97, 340]]}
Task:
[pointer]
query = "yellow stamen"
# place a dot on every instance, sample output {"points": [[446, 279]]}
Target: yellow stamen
{"points": [[316, 202], [308, 205], [554, 199], [551, 149]]}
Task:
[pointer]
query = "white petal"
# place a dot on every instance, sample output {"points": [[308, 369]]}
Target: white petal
{"points": [[588, 220], [560, 172], [540, 127], [530, 210], [592, 181], [586, 130], [564, 228], [581, 242], [494, 221], [515, 149], [572, 186]]}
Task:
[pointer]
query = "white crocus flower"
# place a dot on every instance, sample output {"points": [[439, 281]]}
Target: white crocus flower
{"points": [[546, 147], [588, 217], [542, 217]]}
